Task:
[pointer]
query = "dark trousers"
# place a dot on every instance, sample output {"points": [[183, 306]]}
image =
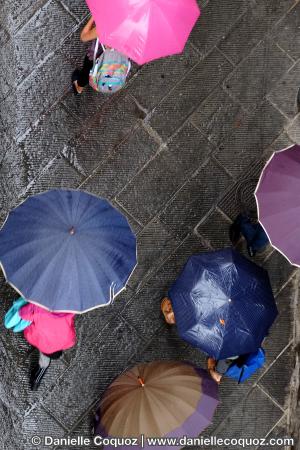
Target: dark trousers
{"points": [[83, 74], [54, 355]]}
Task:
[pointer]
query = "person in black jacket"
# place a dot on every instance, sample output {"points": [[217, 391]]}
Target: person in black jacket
{"points": [[247, 226], [80, 78]]}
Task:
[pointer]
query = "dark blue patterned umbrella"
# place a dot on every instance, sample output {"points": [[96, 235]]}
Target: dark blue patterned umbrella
{"points": [[223, 303], [67, 250]]}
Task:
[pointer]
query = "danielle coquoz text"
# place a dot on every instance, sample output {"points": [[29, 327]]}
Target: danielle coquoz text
{"points": [[142, 441]]}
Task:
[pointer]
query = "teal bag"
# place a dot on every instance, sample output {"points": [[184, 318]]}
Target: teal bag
{"points": [[13, 319]]}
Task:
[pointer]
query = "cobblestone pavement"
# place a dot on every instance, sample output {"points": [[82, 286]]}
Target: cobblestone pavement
{"points": [[178, 151]]}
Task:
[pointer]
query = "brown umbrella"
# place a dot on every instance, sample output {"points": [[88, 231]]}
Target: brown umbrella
{"points": [[161, 398]]}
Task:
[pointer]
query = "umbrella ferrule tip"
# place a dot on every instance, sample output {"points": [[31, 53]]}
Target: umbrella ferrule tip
{"points": [[72, 231], [141, 381]]}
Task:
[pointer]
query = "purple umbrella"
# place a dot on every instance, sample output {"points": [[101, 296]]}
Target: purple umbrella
{"points": [[278, 202], [157, 399]]}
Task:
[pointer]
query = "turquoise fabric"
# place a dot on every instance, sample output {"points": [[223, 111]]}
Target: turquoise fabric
{"points": [[13, 319]]}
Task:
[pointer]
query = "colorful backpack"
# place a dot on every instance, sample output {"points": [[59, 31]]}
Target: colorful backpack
{"points": [[109, 71]]}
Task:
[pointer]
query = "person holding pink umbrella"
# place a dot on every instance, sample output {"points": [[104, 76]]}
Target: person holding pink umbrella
{"points": [[104, 68], [80, 78], [139, 30], [145, 30]]}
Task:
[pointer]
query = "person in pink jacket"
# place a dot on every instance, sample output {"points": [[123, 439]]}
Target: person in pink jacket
{"points": [[50, 333]]}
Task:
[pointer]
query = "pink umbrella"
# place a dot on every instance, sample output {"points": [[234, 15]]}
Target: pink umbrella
{"points": [[144, 29], [278, 202]]}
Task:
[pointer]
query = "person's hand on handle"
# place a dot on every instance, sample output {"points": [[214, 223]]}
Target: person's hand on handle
{"points": [[211, 367], [89, 32]]}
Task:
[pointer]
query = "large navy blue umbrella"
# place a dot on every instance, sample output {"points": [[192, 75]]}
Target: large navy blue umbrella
{"points": [[67, 250], [223, 303]]}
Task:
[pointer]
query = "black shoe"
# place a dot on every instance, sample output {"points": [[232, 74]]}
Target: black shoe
{"points": [[37, 378], [75, 76]]}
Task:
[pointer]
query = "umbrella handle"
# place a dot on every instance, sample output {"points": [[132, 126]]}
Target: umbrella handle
{"points": [[242, 373]]}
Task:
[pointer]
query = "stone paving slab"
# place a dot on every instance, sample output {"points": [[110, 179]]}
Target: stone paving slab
{"points": [[6, 52], [218, 116], [277, 379], [165, 174], [250, 28], [4, 37], [74, 49], [287, 33], [215, 230], [90, 325], [8, 115], [105, 132], [16, 13], [253, 415], [257, 74], [282, 142], [284, 94], [78, 9], [57, 174], [13, 388], [280, 431], [11, 436], [28, 39], [282, 329], [144, 314], [193, 200], [206, 34], [275, 11], [247, 142], [171, 347], [184, 98], [279, 270], [38, 423], [231, 395], [13, 175], [47, 139], [84, 106], [135, 225], [50, 81], [150, 256], [161, 76], [294, 131], [82, 429], [253, 25], [127, 160]]}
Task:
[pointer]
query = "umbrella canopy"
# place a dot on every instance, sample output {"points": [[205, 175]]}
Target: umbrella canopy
{"points": [[145, 29], [161, 398], [67, 250], [278, 202], [223, 303]]}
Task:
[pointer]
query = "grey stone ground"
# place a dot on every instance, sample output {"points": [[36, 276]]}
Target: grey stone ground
{"points": [[178, 151]]}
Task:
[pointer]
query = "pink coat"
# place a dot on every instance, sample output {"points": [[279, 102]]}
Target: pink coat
{"points": [[49, 332]]}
